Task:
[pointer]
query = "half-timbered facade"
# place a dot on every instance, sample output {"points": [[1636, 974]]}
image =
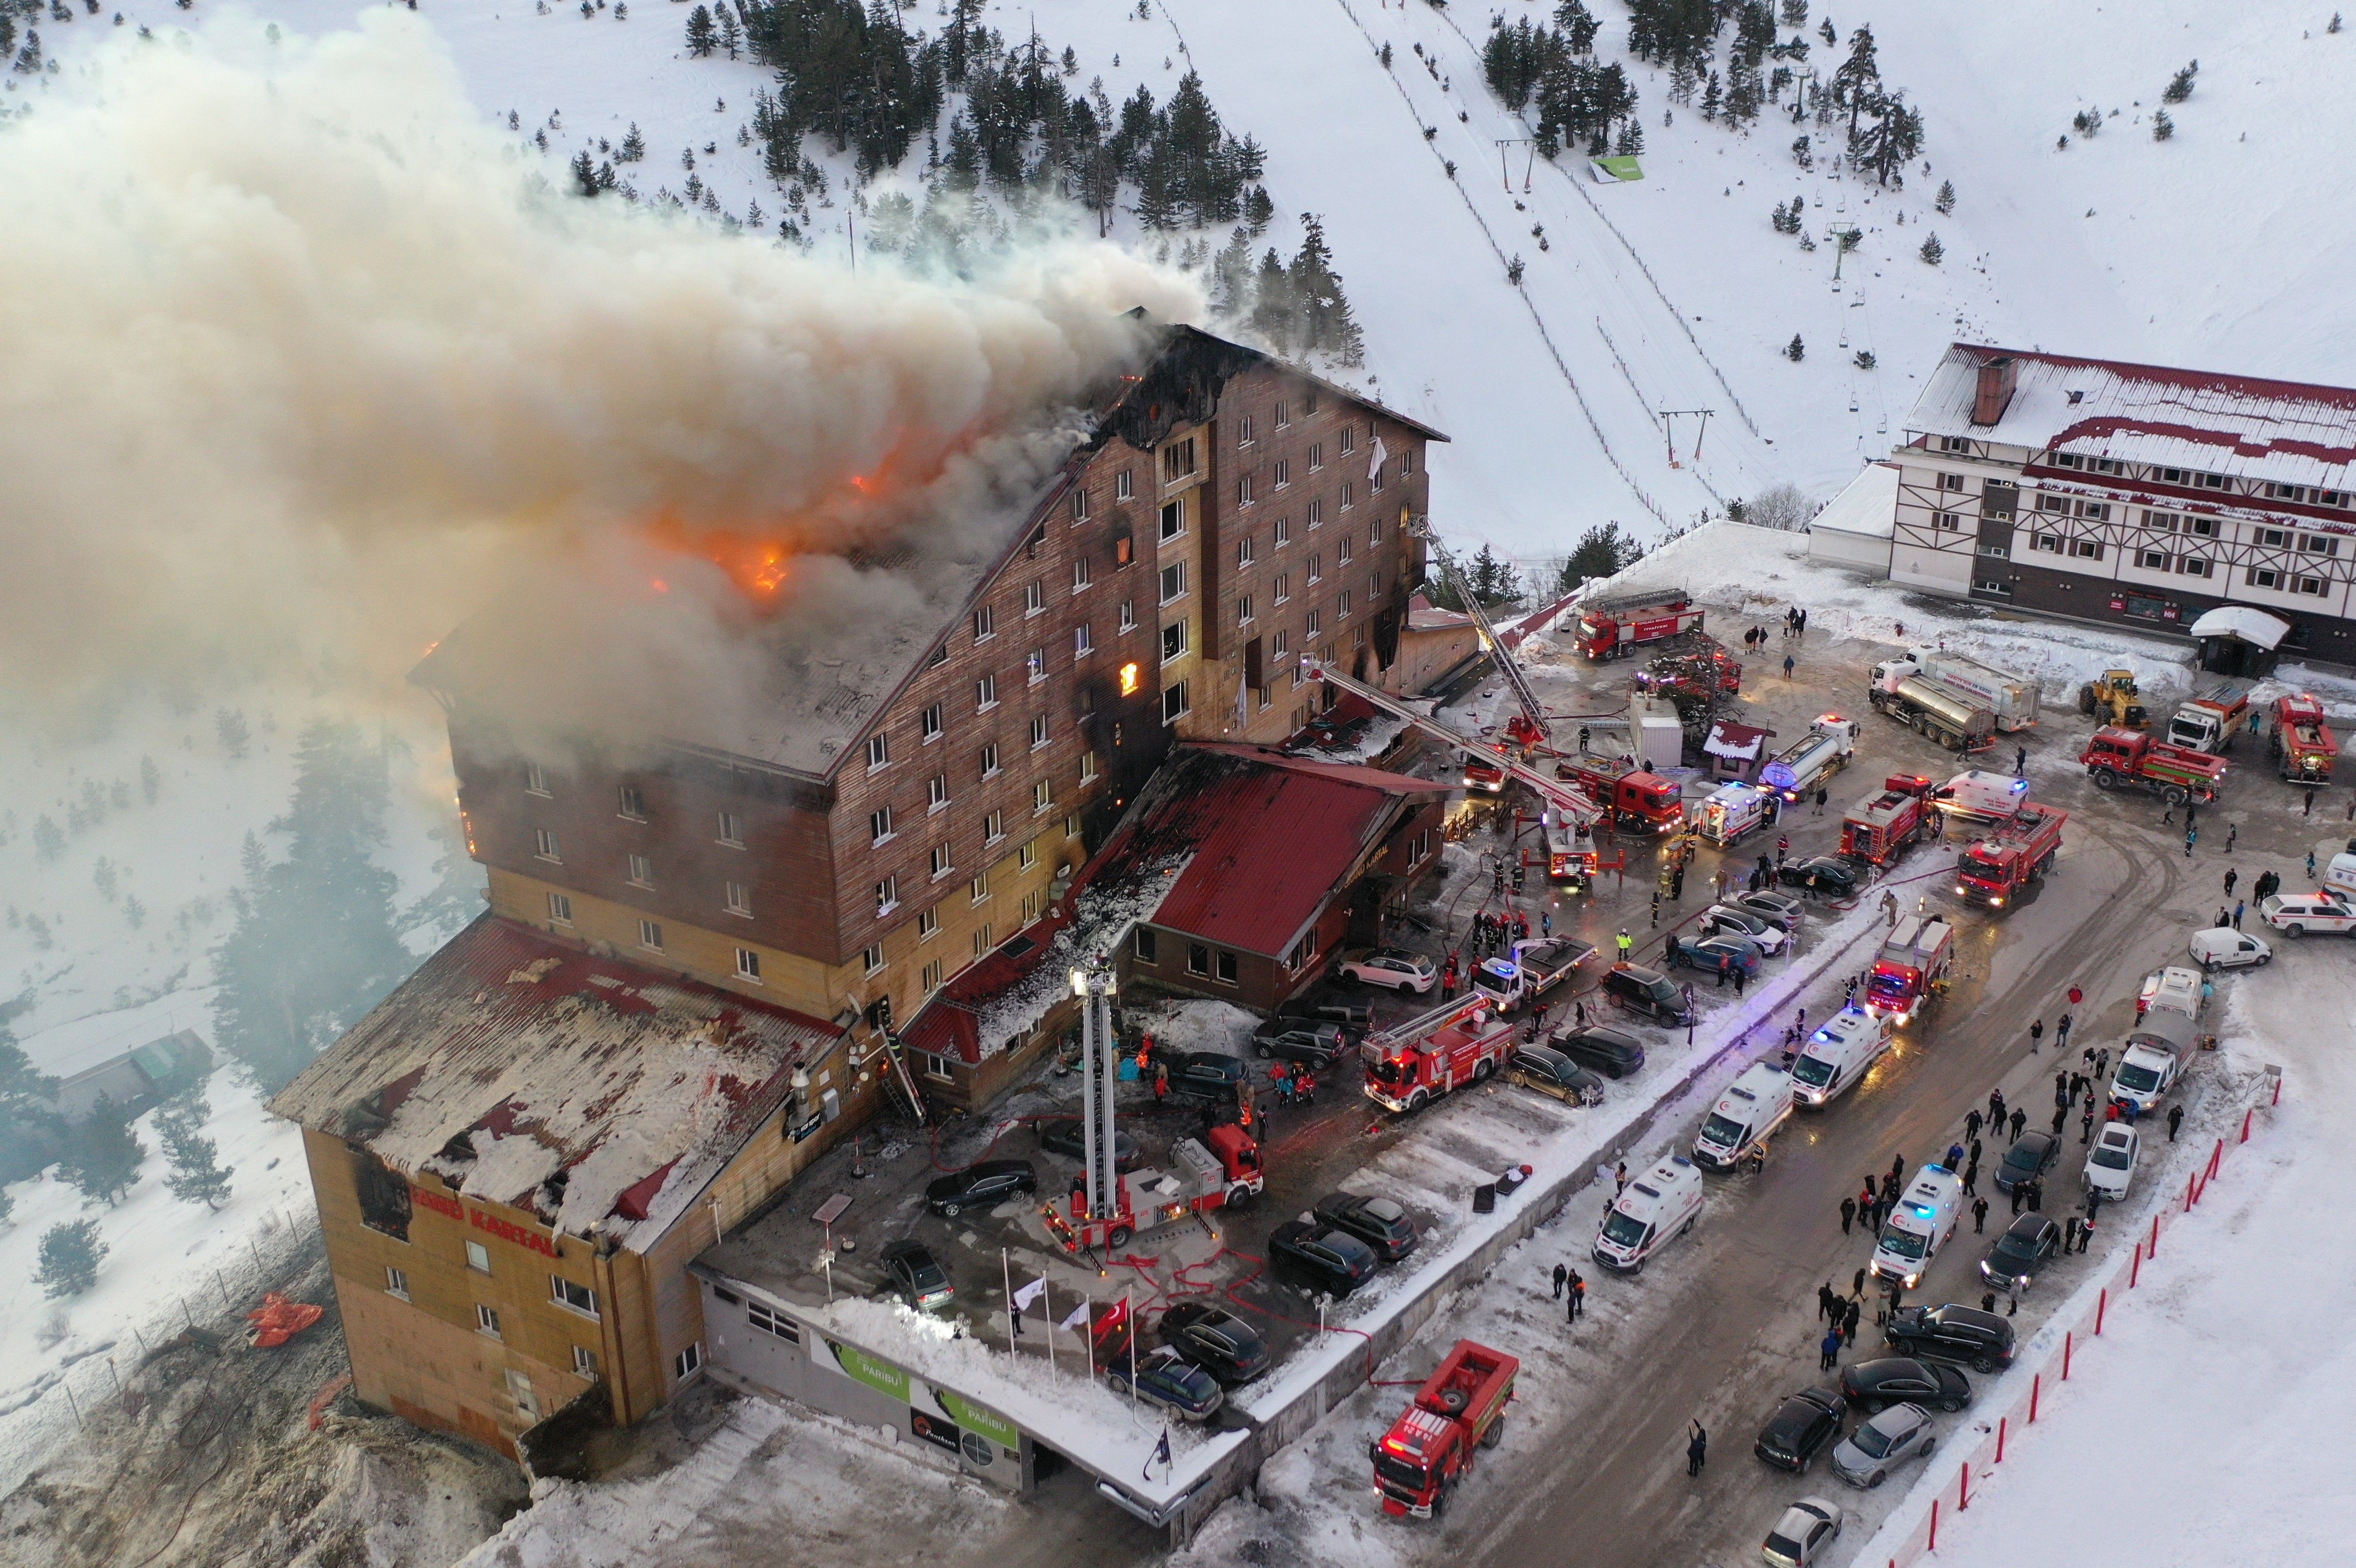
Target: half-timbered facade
{"points": [[2131, 493]]}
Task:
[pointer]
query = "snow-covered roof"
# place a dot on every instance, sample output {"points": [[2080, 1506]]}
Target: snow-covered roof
{"points": [[2289, 432], [1866, 505], [508, 1059], [2243, 621], [1738, 742]]}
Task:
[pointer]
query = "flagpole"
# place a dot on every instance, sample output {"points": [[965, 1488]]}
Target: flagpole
{"points": [[1088, 1335], [1047, 1311], [1006, 1273], [1129, 1322]]}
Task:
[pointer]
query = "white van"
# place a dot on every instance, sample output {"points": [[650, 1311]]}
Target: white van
{"points": [[2110, 1168], [2174, 989], [2339, 876], [1749, 1111], [1838, 1053], [1657, 1206], [1925, 1217], [2146, 1072], [1973, 793]]}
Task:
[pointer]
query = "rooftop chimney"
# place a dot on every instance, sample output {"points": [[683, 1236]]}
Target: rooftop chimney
{"points": [[1998, 378]]}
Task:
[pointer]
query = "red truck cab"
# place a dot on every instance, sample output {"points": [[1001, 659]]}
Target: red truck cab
{"points": [[1994, 869], [2113, 757], [1635, 798], [1616, 629], [1464, 1051], [1879, 828], [1459, 1410]]}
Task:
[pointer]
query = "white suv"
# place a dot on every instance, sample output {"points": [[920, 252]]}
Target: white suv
{"points": [[2296, 914], [1393, 967], [2111, 1166]]}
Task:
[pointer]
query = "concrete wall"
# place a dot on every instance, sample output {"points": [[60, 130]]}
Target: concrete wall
{"points": [[1864, 552]]}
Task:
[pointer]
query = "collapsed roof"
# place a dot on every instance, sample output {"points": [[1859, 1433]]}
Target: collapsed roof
{"points": [[600, 1096]]}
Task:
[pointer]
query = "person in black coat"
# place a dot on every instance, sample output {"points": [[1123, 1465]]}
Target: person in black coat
{"points": [[1848, 1213], [1561, 1278], [2019, 1119], [1696, 1449]]}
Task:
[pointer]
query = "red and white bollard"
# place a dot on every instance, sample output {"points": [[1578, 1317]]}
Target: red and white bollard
{"points": [[2216, 1159], [2245, 1121], [2036, 1386], [2102, 1306], [1963, 1487], [1933, 1544], [2135, 1268], [2069, 1343], [2151, 1248], [2001, 1422]]}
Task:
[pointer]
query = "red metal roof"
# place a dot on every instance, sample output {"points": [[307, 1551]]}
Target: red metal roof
{"points": [[544, 1059], [1272, 838]]}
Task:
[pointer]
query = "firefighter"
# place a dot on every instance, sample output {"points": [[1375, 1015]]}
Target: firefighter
{"points": [[1627, 944]]}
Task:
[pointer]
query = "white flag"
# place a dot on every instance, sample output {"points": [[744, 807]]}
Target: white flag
{"points": [[1374, 463], [1079, 1315], [1029, 1294]]}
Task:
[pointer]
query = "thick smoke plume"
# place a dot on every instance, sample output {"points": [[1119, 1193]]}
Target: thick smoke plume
{"points": [[298, 353]]}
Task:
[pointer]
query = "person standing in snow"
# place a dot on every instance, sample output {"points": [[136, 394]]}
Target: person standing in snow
{"points": [[1829, 1350], [1696, 1449], [2175, 1120], [1979, 1216], [1561, 1278], [1848, 1213], [1824, 1301], [2037, 1035], [2020, 762], [2019, 1120]]}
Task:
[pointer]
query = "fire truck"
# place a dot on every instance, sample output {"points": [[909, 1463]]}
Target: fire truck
{"points": [[1913, 962], [1994, 869], [1614, 628], [2301, 741], [1459, 1410], [1412, 1067], [2114, 757], [1635, 798], [1570, 855], [1227, 1175], [1527, 731], [1882, 826]]}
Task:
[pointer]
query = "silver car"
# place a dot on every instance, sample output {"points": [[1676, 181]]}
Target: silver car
{"points": [[1805, 1535], [1867, 1456]]}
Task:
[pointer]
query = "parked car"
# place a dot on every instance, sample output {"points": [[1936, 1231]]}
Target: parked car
{"points": [[1218, 1341], [980, 1185], [1209, 1077], [2225, 948], [1166, 1379], [1826, 875], [1728, 920], [1713, 954], [2109, 1167], [1319, 1257], [1063, 1136], [2013, 1263], [1380, 1222], [1803, 1424], [2296, 914], [1392, 968], [913, 1274], [1803, 1536], [1610, 1051], [1316, 1042], [1550, 1072], [1355, 1017], [2031, 1155], [1965, 1335], [1899, 1432], [1890, 1380], [1781, 908], [1648, 992]]}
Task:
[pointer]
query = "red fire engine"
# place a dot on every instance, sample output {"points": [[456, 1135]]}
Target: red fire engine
{"points": [[1994, 869], [1635, 798], [1459, 1410], [1614, 628], [1882, 826], [1445, 1051]]}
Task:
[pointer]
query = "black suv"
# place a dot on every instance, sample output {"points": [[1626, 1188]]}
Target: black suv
{"points": [[1379, 1222], [1648, 992], [1301, 1040], [1964, 1334], [2012, 1263], [1610, 1051], [1355, 1016], [1208, 1076], [980, 1185], [1216, 1340], [1800, 1428], [1318, 1258], [1063, 1136]]}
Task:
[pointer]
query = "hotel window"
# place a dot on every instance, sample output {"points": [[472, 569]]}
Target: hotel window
{"points": [[1030, 908], [2264, 577], [1313, 623], [487, 1318], [1316, 456], [1283, 532], [1079, 505], [1317, 567], [887, 895], [1174, 640], [688, 1363], [979, 886], [931, 981], [2053, 503], [1035, 666], [2085, 549], [1244, 611], [642, 871], [740, 900], [2211, 482], [1407, 461], [1349, 495], [748, 964], [1244, 490], [2160, 522], [1283, 418], [585, 1362], [1349, 439], [1080, 574], [1375, 480], [1375, 530], [573, 1297], [650, 935], [1177, 461], [2152, 559], [1951, 521], [940, 861], [1082, 644], [396, 1282], [1087, 767], [879, 752], [1280, 590], [990, 760], [937, 792], [2318, 544], [993, 827], [544, 845], [1173, 582], [1951, 482], [1245, 552], [2274, 538], [559, 908], [1343, 553], [1244, 430], [1174, 704], [732, 831], [938, 657], [1282, 475], [1954, 443], [2193, 566], [1198, 959], [2049, 543], [879, 825], [2095, 511], [1043, 796], [1027, 857], [928, 924], [1342, 606], [985, 624], [871, 958], [2311, 585], [2204, 527], [1173, 517], [1035, 599], [535, 779], [1999, 551], [1316, 514], [634, 804], [1144, 944], [2285, 492], [1129, 614], [479, 1257], [1374, 586], [1038, 731], [1124, 484], [928, 724], [985, 694], [1227, 968], [980, 940]]}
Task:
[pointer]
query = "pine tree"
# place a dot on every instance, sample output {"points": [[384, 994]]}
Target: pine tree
{"points": [[1803, 153], [1796, 350], [48, 839], [2162, 127], [1710, 97], [70, 1254], [1631, 138], [197, 1174], [1326, 322], [102, 1157], [1931, 250], [234, 732], [151, 779], [585, 175], [1603, 552], [729, 37], [1946, 202], [2180, 86], [634, 146], [701, 33], [1796, 13], [1273, 315]]}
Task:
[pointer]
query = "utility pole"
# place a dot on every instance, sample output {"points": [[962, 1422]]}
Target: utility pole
{"points": [[1669, 429], [1504, 171]]}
